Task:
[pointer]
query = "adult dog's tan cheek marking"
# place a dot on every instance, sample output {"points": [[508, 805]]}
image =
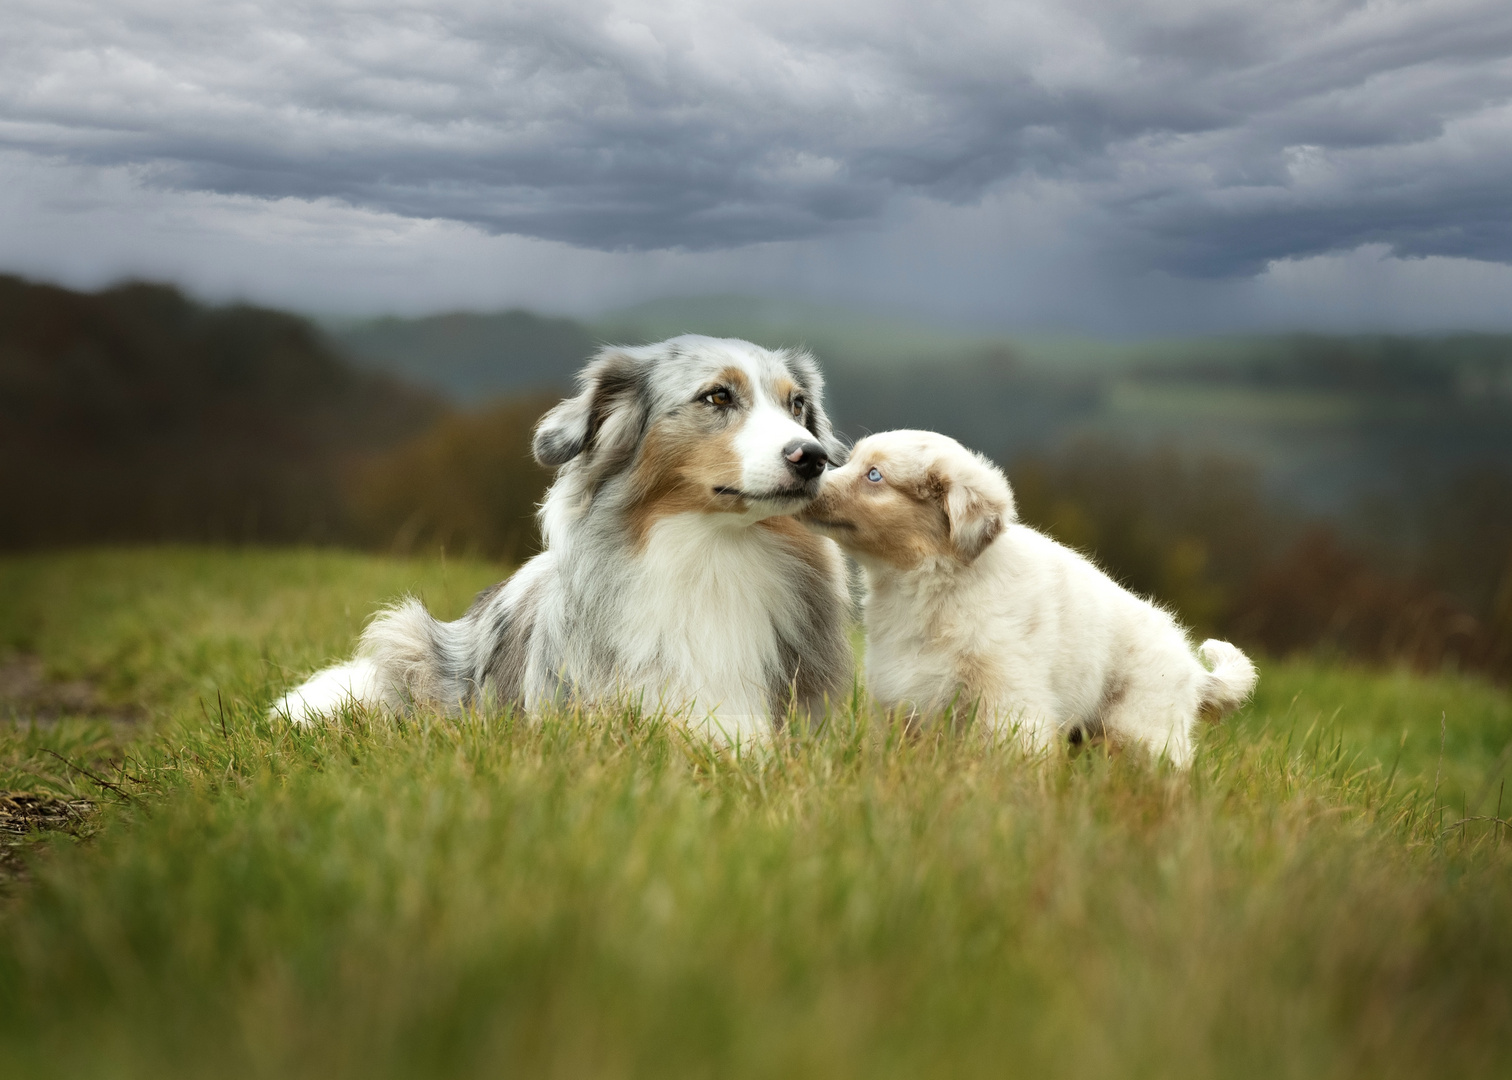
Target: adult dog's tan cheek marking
{"points": [[677, 472]]}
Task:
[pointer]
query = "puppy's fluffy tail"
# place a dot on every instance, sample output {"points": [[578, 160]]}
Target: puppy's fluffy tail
{"points": [[1231, 678]]}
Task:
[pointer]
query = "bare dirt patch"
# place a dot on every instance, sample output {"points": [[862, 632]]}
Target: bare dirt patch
{"points": [[28, 695]]}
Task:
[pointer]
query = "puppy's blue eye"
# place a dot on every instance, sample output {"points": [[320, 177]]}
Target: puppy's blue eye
{"points": [[874, 476]]}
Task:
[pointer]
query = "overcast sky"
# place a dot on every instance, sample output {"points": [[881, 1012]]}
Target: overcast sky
{"points": [[1118, 167]]}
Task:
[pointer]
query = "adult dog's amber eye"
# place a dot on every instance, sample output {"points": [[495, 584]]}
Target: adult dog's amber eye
{"points": [[719, 398], [875, 476], [798, 405]]}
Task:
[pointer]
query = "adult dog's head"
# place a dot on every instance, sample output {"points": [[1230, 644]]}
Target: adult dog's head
{"points": [[909, 497], [691, 425]]}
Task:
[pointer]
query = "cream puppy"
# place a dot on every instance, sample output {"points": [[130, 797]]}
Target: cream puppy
{"points": [[966, 605]]}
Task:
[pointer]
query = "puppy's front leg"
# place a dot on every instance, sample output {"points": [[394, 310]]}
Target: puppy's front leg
{"points": [[1032, 731]]}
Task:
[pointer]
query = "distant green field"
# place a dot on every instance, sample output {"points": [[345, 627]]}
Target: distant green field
{"points": [[588, 895], [1228, 405]]}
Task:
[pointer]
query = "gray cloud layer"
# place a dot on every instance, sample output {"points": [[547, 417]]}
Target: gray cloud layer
{"points": [[1207, 139]]}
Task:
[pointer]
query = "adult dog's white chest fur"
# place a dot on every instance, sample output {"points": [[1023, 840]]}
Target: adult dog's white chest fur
{"points": [[701, 612]]}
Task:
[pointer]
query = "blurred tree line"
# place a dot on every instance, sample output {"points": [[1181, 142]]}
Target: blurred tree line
{"points": [[1200, 535], [137, 415]]}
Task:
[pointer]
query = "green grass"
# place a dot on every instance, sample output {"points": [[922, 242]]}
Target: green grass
{"points": [[599, 896]]}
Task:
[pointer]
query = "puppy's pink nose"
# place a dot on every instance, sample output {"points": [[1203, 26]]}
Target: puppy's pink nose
{"points": [[796, 456]]}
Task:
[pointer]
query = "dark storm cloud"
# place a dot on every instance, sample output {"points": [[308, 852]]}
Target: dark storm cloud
{"points": [[1211, 138]]}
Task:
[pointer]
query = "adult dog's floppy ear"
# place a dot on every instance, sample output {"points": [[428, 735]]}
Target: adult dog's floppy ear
{"points": [[604, 418], [805, 371], [835, 447], [978, 503], [563, 432]]}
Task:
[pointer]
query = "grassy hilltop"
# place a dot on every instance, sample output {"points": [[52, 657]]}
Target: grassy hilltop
{"points": [[597, 895]]}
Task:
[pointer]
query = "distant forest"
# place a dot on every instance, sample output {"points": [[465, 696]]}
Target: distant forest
{"points": [[1345, 495], [136, 414]]}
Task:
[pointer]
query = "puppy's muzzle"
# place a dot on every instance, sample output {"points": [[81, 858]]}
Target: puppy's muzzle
{"points": [[805, 458]]}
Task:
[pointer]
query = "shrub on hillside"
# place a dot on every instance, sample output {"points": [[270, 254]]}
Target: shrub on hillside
{"points": [[1187, 530], [1323, 595], [467, 485]]}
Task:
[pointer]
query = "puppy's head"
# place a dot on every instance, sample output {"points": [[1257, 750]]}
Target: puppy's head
{"points": [[694, 424], [908, 496]]}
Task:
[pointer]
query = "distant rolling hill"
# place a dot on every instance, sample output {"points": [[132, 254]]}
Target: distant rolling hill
{"points": [[137, 414], [1331, 420], [137, 397], [471, 356]]}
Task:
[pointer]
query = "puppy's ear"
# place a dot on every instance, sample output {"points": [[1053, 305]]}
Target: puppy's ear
{"points": [[978, 504], [603, 419]]}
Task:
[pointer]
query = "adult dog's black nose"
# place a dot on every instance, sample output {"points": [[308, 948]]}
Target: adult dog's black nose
{"points": [[805, 457]]}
